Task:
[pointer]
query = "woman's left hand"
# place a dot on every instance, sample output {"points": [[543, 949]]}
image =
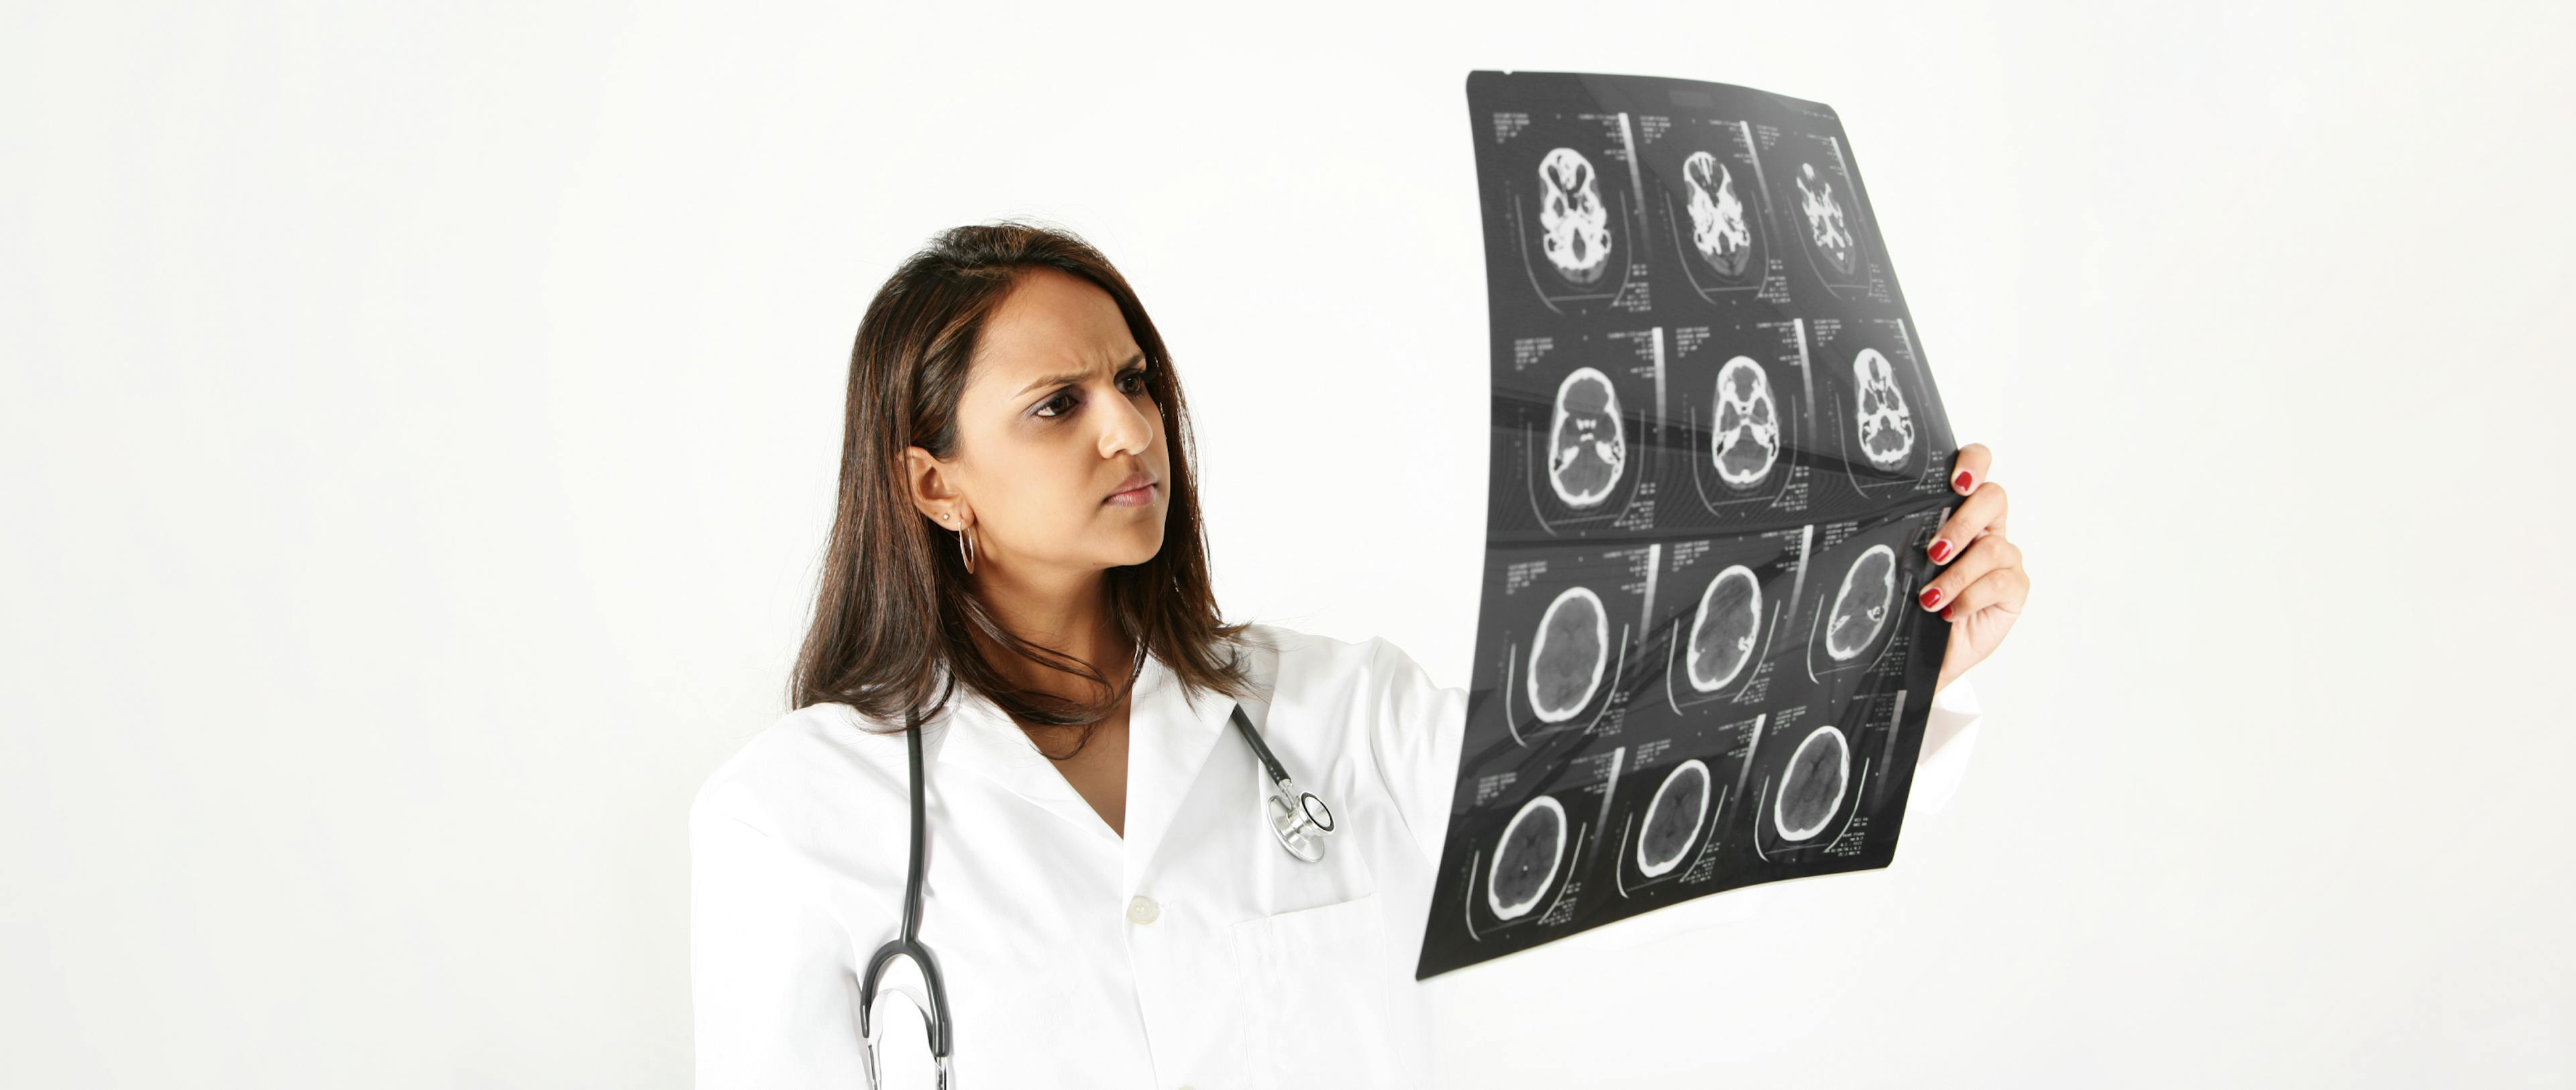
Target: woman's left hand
{"points": [[1982, 592]]}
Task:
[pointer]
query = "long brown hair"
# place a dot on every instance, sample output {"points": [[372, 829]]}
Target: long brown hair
{"points": [[895, 608]]}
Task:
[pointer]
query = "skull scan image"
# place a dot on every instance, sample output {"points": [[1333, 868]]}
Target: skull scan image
{"points": [[1862, 606], [1718, 228], [1825, 227], [1673, 819], [1587, 444], [1747, 443], [1568, 655], [1727, 626], [1574, 222], [1811, 788], [1886, 426], [1526, 858]]}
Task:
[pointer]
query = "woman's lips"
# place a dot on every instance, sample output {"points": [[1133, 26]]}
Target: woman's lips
{"points": [[1138, 490]]}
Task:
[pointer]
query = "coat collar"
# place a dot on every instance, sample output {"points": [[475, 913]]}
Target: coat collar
{"points": [[1168, 742]]}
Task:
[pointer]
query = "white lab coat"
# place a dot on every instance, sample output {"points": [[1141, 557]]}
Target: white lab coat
{"points": [[1192, 952]]}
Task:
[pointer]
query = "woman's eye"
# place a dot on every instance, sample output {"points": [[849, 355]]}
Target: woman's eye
{"points": [[1132, 382]]}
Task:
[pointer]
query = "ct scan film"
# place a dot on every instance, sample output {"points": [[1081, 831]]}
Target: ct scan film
{"points": [[1718, 457]]}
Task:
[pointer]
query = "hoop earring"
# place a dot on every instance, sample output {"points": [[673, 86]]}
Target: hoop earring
{"points": [[966, 547]]}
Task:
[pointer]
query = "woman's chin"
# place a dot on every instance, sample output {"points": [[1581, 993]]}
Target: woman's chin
{"points": [[1134, 545]]}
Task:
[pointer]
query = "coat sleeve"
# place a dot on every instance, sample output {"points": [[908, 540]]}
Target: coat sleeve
{"points": [[773, 984], [1949, 736], [1415, 738]]}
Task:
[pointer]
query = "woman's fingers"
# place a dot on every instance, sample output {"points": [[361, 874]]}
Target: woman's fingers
{"points": [[1982, 513], [1986, 556], [2007, 587], [1971, 468]]}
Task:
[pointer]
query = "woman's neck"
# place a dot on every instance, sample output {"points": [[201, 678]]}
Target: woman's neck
{"points": [[1068, 614]]}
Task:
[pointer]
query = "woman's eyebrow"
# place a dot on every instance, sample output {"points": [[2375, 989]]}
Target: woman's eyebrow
{"points": [[1070, 376]]}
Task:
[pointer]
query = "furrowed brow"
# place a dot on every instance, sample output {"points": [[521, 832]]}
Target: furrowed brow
{"points": [[1050, 380], [1070, 376]]}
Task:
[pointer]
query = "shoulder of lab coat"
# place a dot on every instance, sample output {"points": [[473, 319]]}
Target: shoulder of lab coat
{"points": [[1415, 738], [773, 987], [1421, 728]]}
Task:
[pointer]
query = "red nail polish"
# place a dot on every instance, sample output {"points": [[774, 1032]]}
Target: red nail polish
{"points": [[1931, 596], [1964, 481], [1945, 612], [1940, 550]]}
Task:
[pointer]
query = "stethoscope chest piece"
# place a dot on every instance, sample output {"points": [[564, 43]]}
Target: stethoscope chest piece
{"points": [[1301, 826]]}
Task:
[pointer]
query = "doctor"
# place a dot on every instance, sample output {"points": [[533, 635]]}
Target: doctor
{"points": [[1017, 556]]}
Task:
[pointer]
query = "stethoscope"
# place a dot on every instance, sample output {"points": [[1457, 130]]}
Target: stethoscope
{"points": [[1298, 819]]}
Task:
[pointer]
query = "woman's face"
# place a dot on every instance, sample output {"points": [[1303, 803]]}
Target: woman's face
{"points": [[1060, 465]]}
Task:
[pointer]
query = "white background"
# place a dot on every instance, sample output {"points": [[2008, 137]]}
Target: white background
{"points": [[419, 429]]}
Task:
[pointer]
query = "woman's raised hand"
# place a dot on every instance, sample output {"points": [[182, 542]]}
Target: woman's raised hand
{"points": [[1983, 587]]}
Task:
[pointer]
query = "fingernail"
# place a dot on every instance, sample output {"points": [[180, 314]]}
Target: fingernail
{"points": [[1945, 612], [1931, 597], [1940, 550], [1964, 481]]}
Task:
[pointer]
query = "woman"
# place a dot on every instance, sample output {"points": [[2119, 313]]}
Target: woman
{"points": [[1018, 555]]}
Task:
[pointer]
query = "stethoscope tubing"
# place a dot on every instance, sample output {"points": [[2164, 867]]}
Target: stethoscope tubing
{"points": [[908, 944]]}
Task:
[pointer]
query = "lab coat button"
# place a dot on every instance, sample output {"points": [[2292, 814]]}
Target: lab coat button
{"points": [[1143, 910]]}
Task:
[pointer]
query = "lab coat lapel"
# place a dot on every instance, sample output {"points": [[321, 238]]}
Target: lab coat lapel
{"points": [[979, 737], [1168, 742]]}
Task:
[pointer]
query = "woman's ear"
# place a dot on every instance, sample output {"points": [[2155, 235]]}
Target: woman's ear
{"points": [[933, 489]]}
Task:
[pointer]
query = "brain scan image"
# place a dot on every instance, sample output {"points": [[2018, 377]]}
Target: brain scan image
{"points": [[1574, 222], [1811, 788], [1825, 227], [1587, 445], [1727, 626], [1718, 228], [1673, 820], [1569, 654], [1526, 858], [1886, 427], [1747, 443], [1861, 607]]}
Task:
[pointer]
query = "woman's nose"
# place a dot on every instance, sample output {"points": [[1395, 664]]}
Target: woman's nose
{"points": [[1129, 430]]}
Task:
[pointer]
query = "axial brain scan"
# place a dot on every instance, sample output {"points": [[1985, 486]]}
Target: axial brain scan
{"points": [[1525, 860], [1860, 610], [1567, 657], [1748, 424], [1886, 426], [1811, 788], [1574, 222], [1588, 446], [1673, 819], [1824, 214], [1718, 229], [1724, 632]]}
